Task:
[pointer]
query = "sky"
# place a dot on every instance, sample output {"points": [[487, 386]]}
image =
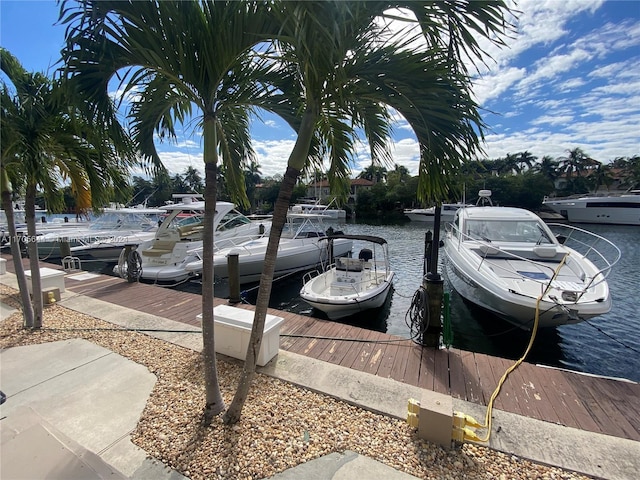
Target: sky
{"points": [[569, 78]]}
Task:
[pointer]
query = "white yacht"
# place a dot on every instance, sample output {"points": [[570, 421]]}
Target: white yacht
{"points": [[447, 212], [112, 225], [509, 262], [320, 209], [610, 209], [178, 241]]}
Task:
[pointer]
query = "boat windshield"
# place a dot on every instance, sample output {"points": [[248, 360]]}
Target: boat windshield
{"points": [[232, 219], [300, 227], [125, 221], [523, 231]]}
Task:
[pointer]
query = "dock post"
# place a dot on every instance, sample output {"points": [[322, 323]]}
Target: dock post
{"points": [[234, 277], [428, 244], [65, 248], [433, 285], [432, 327]]}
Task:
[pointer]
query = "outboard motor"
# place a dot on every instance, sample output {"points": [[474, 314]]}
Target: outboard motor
{"points": [[365, 254]]}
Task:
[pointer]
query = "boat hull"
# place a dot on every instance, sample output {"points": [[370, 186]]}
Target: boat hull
{"points": [[293, 256], [610, 210], [516, 309], [316, 293]]}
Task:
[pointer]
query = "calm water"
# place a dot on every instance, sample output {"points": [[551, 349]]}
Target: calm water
{"points": [[606, 345]]}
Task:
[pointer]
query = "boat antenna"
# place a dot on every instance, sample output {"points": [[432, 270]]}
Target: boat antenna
{"points": [[484, 198]]}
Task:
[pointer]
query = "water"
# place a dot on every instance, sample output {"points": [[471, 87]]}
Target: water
{"points": [[606, 345]]}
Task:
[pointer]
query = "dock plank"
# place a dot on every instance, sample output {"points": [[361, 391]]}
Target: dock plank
{"points": [[473, 388], [456, 375], [400, 362], [427, 368]]}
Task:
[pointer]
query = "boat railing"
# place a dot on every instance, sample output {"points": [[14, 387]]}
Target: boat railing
{"points": [[601, 252]]}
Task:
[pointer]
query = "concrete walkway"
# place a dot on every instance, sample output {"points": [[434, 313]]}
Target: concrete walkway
{"points": [[62, 397]]}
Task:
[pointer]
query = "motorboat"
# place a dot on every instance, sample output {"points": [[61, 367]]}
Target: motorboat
{"points": [[299, 249], [45, 223], [314, 207], [351, 285], [621, 209], [178, 241], [511, 263], [111, 225], [447, 212]]}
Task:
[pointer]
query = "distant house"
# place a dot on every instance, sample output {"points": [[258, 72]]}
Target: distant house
{"points": [[616, 179], [320, 190]]}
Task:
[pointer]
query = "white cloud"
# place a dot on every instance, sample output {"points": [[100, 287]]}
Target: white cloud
{"points": [[494, 84], [553, 120]]}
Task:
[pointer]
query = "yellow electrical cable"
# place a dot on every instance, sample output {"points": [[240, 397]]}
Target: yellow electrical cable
{"points": [[487, 420]]}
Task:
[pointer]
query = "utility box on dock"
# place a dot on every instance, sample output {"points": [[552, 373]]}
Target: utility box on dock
{"points": [[49, 278], [50, 295], [232, 330]]}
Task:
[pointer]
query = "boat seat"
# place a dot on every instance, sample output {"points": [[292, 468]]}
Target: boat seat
{"points": [[186, 230], [159, 248], [546, 251], [349, 264]]}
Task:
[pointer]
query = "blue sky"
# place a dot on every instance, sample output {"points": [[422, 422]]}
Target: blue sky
{"points": [[569, 78]]}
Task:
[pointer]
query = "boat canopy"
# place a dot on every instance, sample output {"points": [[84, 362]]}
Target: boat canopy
{"points": [[366, 238]]}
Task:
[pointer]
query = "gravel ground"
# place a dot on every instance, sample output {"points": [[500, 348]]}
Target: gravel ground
{"points": [[282, 425]]}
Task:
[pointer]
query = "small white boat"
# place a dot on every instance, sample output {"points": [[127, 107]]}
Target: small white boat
{"points": [[609, 209], [178, 241], [299, 249], [511, 263], [447, 212], [351, 285]]}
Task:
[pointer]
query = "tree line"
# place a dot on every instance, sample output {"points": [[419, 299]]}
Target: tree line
{"points": [[520, 180]]}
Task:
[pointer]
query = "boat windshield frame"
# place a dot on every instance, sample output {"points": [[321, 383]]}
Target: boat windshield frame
{"points": [[510, 230]]}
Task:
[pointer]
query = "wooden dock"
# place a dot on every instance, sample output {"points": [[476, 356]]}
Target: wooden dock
{"points": [[586, 402]]}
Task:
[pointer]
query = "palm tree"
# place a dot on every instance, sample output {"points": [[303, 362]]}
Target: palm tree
{"points": [[629, 168], [52, 143], [576, 162], [525, 159], [375, 173], [186, 62], [603, 176], [548, 167], [353, 84], [252, 178], [9, 109], [193, 179], [511, 164]]}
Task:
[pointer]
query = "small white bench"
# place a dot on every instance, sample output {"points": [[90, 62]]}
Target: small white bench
{"points": [[232, 330], [49, 278]]}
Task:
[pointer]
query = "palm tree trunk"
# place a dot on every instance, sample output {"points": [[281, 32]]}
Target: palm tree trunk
{"points": [[214, 401], [298, 157], [7, 205], [34, 261]]}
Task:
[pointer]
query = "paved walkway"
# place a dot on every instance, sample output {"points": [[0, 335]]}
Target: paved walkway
{"points": [[58, 419]]}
